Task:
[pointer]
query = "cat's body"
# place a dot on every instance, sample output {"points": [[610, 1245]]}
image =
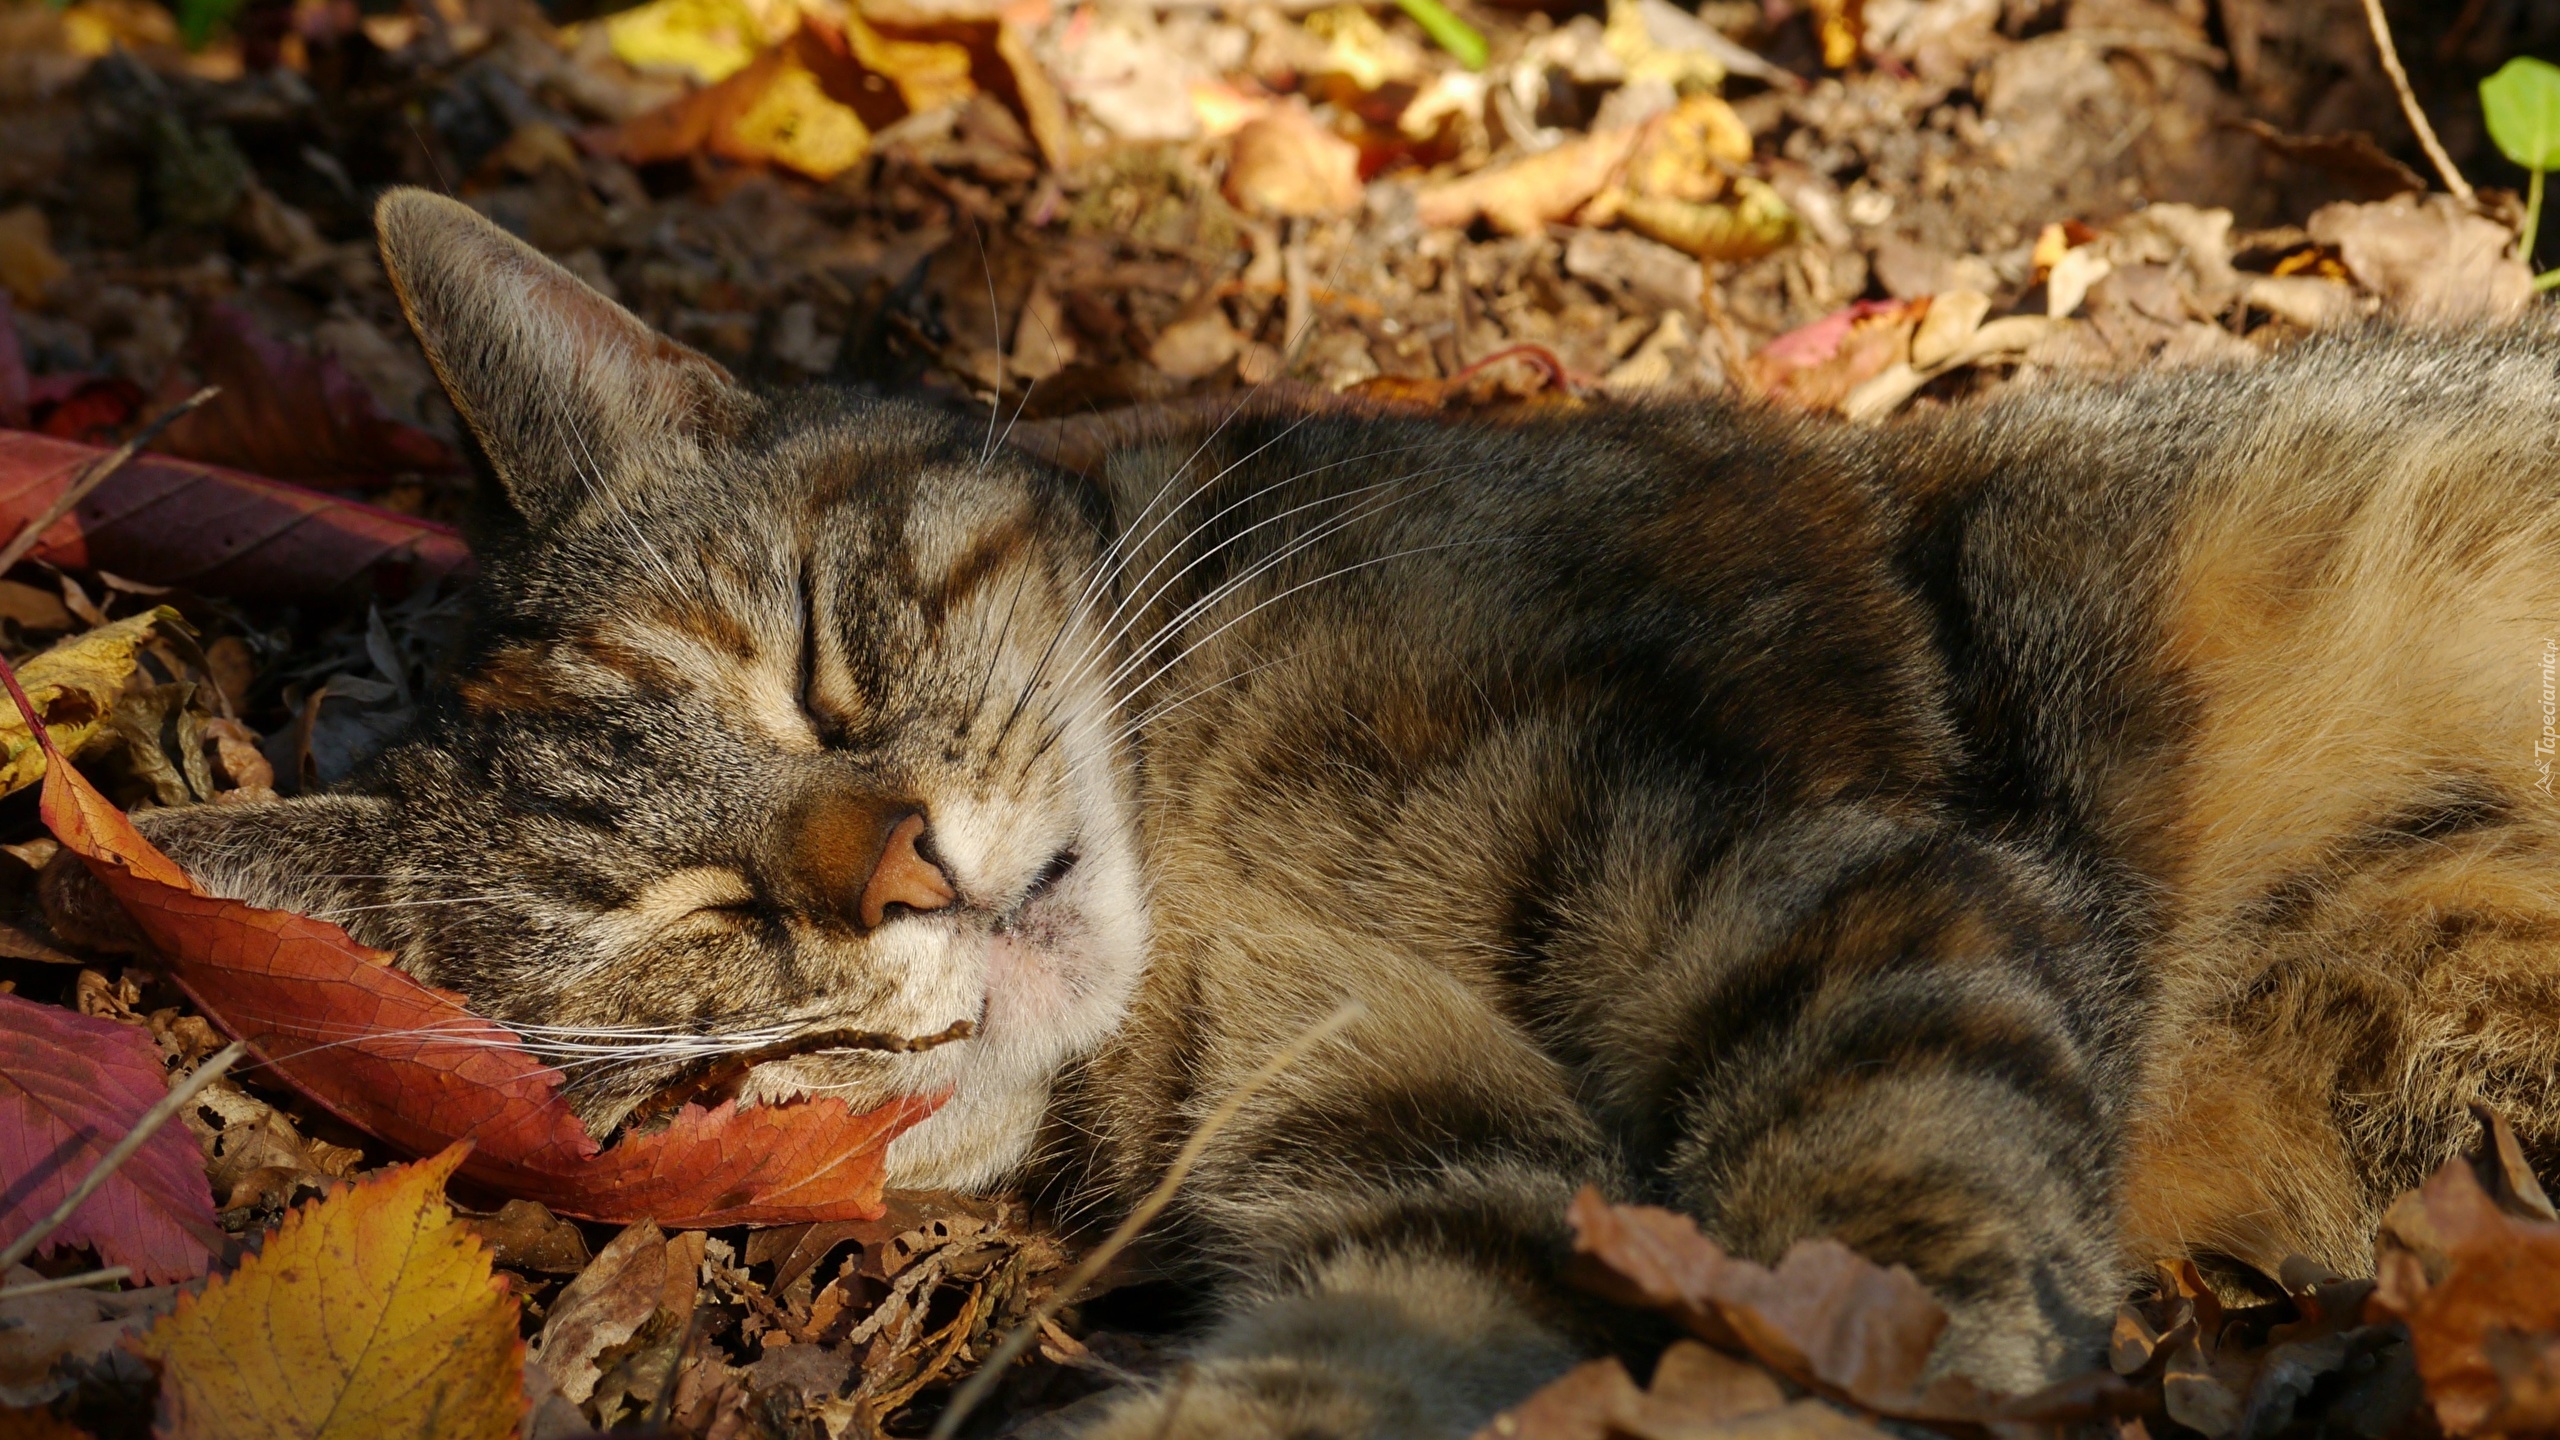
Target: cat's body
{"points": [[2103, 825]]}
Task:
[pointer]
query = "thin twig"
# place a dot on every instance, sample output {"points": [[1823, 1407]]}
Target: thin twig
{"points": [[108, 1276], [152, 1119], [96, 475], [1022, 1335], [2427, 141]]}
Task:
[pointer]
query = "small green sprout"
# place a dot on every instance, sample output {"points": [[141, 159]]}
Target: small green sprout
{"points": [[2522, 105], [1460, 38]]}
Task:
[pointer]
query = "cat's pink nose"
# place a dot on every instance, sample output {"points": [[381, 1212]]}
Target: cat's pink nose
{"points": [[904, 877]]}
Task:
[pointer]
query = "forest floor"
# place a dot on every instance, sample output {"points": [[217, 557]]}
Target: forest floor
{"points": [[1067, 213]]}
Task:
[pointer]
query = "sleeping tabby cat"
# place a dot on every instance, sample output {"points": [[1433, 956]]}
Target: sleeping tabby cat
{"points": [[2107, 823]]}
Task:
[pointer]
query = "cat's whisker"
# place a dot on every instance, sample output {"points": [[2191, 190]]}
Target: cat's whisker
{"points": [[1137, 594], [1314, 536], [1117, 629], [1134, 727], [491, 898], [1333, 574]]}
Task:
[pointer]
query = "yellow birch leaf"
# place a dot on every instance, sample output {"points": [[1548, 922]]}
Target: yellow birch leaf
{"points": [[1754, 223], [73, 685], [371, 1315], [929, 74], [794, 122], [28, 266], [710, 40]]}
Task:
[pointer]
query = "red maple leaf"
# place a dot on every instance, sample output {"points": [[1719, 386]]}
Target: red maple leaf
{"points": [[71, 1086]]}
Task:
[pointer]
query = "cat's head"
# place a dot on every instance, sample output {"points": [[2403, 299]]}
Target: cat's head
{"points": [[780, 714]]}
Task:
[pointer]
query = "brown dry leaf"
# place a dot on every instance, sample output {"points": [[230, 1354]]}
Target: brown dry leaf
{"points": [[1696, 1393], [1284, 163], [1824, 1317], [1523, 196], [2478, 1284], [49, 1342], [602, 1309], [254, 1153], [1195, 345], [2432, 261], [527, 1236], [28, 265], [371, 1315]]}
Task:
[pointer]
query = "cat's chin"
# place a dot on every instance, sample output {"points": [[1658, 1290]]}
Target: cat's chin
{"points": [[1047, 987]]}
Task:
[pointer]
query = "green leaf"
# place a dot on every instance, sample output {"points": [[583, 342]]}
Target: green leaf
{"points": [[1462, 39], [2522, 105]]}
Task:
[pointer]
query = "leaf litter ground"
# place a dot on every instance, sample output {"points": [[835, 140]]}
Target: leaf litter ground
{"points": [[1849, 209]]}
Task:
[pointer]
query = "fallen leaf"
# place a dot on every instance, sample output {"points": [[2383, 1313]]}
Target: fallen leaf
{"points": [[410, 1064], [49, 1342], [28, 266], [929, 74], [1696, 1393], [253, 1151], [605, 1306], [1195, 345], [1522, 196], [1818, 366], [1284, 163], [216, 531], [1825, 1317], [2432, 261], [74, 686], [795, 124], [371, 1315], [527, 1236], [2364, 167], [776, 110], [1753, 224], [290, 414], [709, 40], [71, 1087], [2479, 1287]]}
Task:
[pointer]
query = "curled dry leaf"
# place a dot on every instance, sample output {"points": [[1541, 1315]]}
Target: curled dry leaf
{"points": [[74, 686], [2478, 1284], [1284, 163], [602, 1308], [1524, 196], [371, 1314], [51, 1342], [410, 1064], [775, 110], [175, 522], [71, 1087], [1825, 1317]]}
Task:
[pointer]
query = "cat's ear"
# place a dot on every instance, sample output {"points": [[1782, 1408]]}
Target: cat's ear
{"points": [[565, 390]]}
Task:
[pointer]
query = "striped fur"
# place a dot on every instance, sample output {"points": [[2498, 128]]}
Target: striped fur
{"points": [[2101, 825]]}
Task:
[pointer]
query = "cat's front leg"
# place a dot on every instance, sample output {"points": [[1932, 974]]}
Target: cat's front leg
{"points": [[1374, 1346]]}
